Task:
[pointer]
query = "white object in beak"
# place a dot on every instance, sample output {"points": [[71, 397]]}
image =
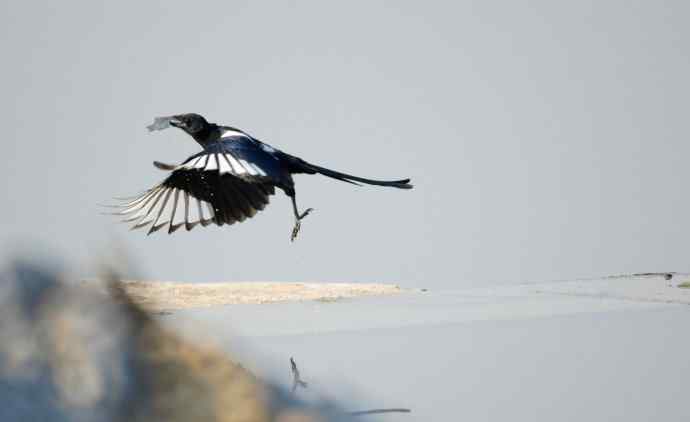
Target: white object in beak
{"points": [[160, 123]]}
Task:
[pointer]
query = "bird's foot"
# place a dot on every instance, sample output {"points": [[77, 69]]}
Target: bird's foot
{"points": [[295, 230], [298, 223], [305, 213]]}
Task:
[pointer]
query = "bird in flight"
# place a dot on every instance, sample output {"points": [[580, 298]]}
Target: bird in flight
{"points": [[229, 181], [296, 379]]}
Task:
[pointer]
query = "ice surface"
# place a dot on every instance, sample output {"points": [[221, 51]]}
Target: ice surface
{"points": [[607, 349]]}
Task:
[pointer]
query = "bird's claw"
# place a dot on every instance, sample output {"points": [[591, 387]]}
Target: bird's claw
{"points": [[305, 213], [298, 223], [295, 230]]}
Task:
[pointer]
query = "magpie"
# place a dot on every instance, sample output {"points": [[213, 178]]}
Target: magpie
{"points": [[229, 181]]}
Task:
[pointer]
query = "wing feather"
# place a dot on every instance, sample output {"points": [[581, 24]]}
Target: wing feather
{"points": [[228, 182], [192, 197], [161, 210]]}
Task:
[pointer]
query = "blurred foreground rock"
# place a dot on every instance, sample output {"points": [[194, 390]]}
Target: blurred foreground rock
{"points": [[68, 353]]}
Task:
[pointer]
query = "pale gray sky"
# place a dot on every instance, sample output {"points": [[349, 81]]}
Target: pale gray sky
{"points": [[545, 139]]}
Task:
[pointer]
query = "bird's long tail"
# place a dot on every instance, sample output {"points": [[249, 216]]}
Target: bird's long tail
{"points": [[311, 168]]}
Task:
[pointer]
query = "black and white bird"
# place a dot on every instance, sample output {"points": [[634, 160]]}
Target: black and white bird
{"points": [[229, 181], [296, 378]]}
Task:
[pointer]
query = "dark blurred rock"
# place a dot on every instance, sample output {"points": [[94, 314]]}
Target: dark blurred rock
{"points": [[70, 353]]}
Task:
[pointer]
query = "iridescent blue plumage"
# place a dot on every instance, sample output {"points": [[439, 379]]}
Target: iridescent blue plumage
{"points": [[274, 163]]}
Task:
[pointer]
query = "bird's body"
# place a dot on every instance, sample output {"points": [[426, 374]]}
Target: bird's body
{"points": [[229, 181]]}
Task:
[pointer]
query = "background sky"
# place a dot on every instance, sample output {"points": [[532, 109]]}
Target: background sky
{"points": [[546, 140]]}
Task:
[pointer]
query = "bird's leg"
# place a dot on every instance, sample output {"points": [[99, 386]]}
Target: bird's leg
{"points": [[298, 218]]}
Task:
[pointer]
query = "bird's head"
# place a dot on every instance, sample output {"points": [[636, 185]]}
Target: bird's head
{"points": [[191, 123]]}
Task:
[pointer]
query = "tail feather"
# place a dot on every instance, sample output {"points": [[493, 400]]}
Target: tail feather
{"points": [[311, 168]]}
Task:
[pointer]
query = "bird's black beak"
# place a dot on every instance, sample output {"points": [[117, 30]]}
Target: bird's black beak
{"points": [[175, 121]]}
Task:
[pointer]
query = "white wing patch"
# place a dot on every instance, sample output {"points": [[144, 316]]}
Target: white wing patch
{"points": [[201, 164], [203, 210], [179, 211], [192, 163], [211, 211], [224, 163], [212, 163], [137, 206], [148, 213], [193, 217], [165, 206], [164, 211], [236, 166], [229, 133]]}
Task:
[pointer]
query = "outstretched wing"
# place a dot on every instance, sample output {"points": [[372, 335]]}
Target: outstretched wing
{"points": [[214, 186]]}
